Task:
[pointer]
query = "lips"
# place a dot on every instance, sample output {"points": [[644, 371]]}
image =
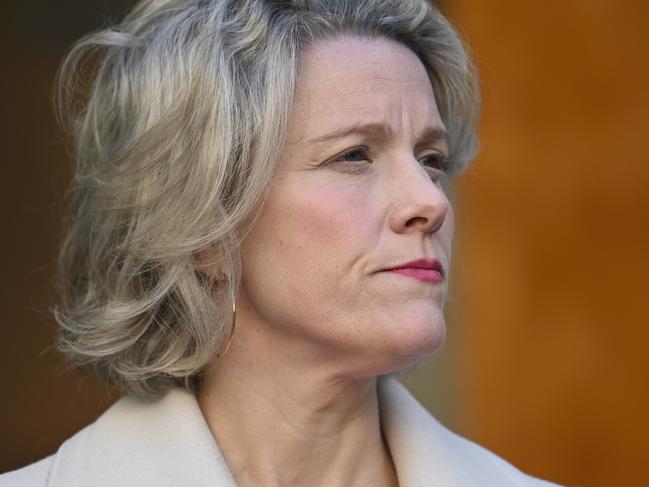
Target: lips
{"points": [[426, 270]]}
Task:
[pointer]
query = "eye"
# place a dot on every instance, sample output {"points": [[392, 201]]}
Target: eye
{"points": [[437, 161], [353, 161], [356, 154]]}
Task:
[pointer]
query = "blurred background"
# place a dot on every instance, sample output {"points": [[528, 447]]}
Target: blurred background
{"points": [[546, 359]]}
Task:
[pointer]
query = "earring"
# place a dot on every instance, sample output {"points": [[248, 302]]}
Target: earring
{"points": [[234, 321]]}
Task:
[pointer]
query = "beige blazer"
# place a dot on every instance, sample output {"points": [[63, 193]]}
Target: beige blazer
{"points": [[167, 443]]}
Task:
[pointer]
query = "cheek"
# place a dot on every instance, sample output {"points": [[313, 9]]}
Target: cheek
{"points": [[308, 236], [301, 263], [336, 221], [324, 219]]}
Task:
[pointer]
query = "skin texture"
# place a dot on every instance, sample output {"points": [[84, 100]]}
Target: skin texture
{"points": [[294, 401]]}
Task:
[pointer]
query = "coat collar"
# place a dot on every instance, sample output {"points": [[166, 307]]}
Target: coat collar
{"points": [[138, 443], [426, 454], [168, 443]]}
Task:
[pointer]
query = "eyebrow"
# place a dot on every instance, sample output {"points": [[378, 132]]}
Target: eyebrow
{"points": [[428, 136]]}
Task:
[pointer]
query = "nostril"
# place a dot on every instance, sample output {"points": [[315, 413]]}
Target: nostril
{"points": [[426, 218], [417, 221]]}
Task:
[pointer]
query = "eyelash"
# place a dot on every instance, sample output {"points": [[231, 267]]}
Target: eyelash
{"points": [[439, 163], [365, 156]]}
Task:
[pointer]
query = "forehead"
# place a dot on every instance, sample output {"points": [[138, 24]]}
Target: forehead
{"points": [[361, 80]]}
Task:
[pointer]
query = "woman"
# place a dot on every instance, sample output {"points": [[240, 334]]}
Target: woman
{"points": [[259, 235]]}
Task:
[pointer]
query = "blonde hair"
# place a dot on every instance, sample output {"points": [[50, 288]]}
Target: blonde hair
{"points": [[177, 116]]}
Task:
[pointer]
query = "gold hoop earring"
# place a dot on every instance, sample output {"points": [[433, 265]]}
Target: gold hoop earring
{"points": [[234, 322]]}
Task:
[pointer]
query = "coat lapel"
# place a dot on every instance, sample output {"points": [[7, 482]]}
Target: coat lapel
{"points": [[426, 454]]}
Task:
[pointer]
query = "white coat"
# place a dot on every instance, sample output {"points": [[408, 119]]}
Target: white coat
{"points": [[167, 443]]}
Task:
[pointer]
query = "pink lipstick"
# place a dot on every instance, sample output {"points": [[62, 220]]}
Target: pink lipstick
{"points": [[426, 270]]}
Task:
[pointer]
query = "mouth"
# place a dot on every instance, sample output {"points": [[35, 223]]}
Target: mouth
{"points": [[425, 270]]}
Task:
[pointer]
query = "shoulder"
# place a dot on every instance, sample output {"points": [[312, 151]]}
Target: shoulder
{"points": [[34, 475], [165, 442]]}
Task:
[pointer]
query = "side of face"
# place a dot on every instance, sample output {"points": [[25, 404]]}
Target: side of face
{"points": [[353, 197]]}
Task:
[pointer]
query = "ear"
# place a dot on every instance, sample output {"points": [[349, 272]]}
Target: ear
{"points": [[209, 263]]}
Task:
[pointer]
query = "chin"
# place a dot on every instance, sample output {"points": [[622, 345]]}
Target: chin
{"points": [[413, 341], [420, 340]]}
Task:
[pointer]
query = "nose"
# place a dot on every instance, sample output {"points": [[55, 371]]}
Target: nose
{"points": [[419, 204]]}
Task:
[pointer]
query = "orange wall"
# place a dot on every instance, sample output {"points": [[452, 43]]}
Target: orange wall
{"points": [[553, 251]]}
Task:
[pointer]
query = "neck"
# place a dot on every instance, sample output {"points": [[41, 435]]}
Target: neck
{"points": [[278, 422]]}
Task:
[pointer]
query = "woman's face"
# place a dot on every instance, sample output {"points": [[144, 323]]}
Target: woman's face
{"points": [[351, 199]]}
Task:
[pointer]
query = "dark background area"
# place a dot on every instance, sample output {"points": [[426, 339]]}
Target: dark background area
{"points": [[42, 401]]}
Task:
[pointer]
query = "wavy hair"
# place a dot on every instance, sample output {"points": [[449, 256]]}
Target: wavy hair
{"points": [[177, 117]]}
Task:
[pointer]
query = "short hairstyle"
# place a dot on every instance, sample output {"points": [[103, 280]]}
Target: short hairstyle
{"points": [[177, 116]]}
